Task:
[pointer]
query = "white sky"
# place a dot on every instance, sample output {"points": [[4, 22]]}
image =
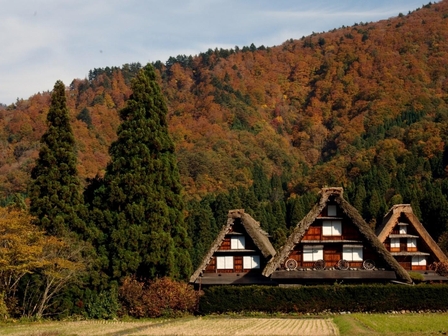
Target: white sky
{"points": [[42, 41]]}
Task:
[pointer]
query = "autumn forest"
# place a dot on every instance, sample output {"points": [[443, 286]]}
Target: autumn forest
{"points": [[264, 128]]}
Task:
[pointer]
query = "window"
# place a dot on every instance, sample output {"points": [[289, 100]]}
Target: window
{"points": [[332, 228], [251, 262], [332, 210], [225, 262], [403, 229], [313, 252], [412, 243], [395, 243], [418, 261], [238, 243], [352, 252]]}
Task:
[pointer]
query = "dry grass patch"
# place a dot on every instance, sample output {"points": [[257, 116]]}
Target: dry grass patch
{"points": [[245, 326], [224, 326]]}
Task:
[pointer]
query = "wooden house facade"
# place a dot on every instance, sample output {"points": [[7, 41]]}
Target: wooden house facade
{"points": [[408, 241], [238, 255], [332, 242]]}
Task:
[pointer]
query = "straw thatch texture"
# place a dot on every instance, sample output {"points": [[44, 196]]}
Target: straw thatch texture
{"points": [[302, 227], [252, 228], [403, 212]]}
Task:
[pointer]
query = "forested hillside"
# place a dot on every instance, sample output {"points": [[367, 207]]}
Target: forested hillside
{"points": [[263, 128]]}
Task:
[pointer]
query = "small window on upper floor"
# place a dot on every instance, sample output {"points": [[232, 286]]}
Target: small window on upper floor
{"points": [[332, 228], [332, 210], [395, 243], [412, 243], [402, 229], [238, 243]]}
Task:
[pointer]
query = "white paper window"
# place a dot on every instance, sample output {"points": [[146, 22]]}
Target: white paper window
{"points": [[395, 242], [412, 242], [331, 210], [313, 252], [352, 253], [251, 262], [332, 228], [225, 262], [238, 243], [418, 261], [403, 229]]}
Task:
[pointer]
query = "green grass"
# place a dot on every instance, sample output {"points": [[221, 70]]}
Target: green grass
{"points": [[393, 324]]}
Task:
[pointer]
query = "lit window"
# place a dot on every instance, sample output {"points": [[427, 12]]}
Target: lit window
{"points": [[225, 262], [395, 242], [251, 262], [418, 261], [331, 210], [313, 252], [412, 242], [332, 228], [352, 253], [238, 243]]}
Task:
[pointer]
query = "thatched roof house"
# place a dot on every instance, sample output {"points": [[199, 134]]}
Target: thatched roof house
{"points": [[238, 255], [327, 232], [406, 238]]}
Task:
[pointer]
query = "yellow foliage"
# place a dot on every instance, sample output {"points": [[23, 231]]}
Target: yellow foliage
{"points": [[21, 242], [24, 248]]}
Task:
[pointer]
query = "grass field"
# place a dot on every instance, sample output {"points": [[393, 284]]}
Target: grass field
{"points": [[350, 325], [393, 324]]}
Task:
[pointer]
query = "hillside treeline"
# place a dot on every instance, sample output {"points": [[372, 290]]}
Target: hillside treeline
{"points": [[263, 128]]}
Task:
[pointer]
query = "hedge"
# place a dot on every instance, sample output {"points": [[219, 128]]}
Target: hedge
{"points": [[315, 299]]}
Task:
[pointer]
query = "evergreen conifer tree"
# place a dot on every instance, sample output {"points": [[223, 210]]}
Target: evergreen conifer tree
{"points": [[147, 234], [55, 189]]}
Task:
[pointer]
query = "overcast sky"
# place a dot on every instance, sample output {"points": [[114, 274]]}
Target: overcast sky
{"points": [[42, 41]]}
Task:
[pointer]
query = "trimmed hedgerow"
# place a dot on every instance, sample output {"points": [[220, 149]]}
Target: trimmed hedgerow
{"points": [[314, 299]]}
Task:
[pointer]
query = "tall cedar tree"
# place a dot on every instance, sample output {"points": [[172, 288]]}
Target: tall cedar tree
{"points": [[55, 189], [147, 232]]}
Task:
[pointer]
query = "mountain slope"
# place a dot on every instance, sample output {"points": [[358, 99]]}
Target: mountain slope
{"points": [[362, 106]]}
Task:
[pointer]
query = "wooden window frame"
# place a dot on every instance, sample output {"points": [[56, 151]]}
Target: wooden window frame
{"points": [[411, 242], [395, 243], [332, 210], [227, 262], [332, 228], [317, 252], [251, 262], [348, 252], [420, 262], [238, 243]]}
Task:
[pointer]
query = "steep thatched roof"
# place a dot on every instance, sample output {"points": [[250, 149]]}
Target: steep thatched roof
{"points": [[403, 212], [252, 228], [355, 217]]}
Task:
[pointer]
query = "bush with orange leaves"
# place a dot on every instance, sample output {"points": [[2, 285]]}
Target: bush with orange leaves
{"points": [[161, 297]]}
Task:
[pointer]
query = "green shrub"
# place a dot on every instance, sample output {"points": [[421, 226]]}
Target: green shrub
{"points": [[416, 277], [314, 299], [102, 305], [161, 297]]}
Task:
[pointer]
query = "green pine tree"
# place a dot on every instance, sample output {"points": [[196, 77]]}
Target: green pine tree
{"points": [[55, 189], [201, 228], [147, 234]]}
